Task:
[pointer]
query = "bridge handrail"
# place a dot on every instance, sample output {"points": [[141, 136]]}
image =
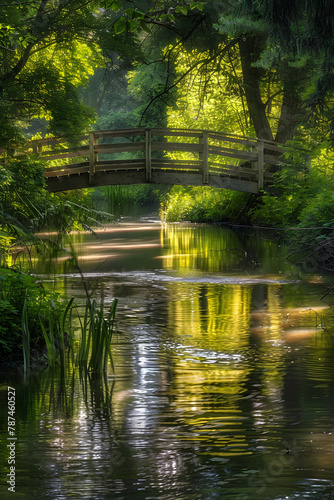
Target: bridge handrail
{"points": [[206, 152]]}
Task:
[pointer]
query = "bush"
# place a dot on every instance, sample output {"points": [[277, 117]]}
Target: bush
{"points": [[202, 204], [18, 289]]}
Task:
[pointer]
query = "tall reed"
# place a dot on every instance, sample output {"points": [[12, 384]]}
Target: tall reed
{"points": [[25, 338], [96, 329]]}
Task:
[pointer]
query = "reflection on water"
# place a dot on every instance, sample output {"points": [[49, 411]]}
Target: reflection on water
{"points": [[223, 384]]}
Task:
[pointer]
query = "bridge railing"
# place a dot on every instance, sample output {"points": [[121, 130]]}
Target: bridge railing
{"points": [[200, 152]]}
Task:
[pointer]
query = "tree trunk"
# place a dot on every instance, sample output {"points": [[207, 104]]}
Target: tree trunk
{"points": [[292, 112], [250, 50]]}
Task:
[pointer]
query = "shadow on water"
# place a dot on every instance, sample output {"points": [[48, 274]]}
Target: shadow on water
{"points": [[223, 384]]}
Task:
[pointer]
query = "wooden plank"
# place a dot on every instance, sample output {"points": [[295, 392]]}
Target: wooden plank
{"points": [[232, 153], [116, 168], [172, 161], [260, 164], [226, 138], [56, 185], [66, 172], [236, 168], [274, 147], [229, 135], [233, 184], [142, 161], [177, 164], [178, 167], [67, 166], [231, 170], [92, 141], [66, 150], [82, 153], [117, 178]]}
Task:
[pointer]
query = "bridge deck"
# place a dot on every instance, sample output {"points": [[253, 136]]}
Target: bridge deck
{"points": [[162, 156]]}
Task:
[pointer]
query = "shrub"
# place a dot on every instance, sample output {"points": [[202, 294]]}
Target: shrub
{"points": [[21, 296]]}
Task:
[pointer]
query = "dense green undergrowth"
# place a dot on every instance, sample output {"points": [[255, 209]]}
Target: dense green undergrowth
{"points": [[25, 305], [40, 328], [300, 201]]}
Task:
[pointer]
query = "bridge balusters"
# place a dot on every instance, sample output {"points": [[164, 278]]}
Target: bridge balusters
{"points": [[37, 148], [92, 157], [260, 164]]}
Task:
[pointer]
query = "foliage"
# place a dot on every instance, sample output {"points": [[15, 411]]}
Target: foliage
{"points": [[25, 307], [22, 189], [202, 204], [118, 200], [305, 196], [41, 44], [207, 98], [36, 325]]}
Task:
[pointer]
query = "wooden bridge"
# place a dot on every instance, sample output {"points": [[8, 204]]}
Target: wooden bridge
{"points": [[161, 156]]}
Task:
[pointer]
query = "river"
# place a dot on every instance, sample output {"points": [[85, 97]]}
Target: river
{"points": [[223, 382]]}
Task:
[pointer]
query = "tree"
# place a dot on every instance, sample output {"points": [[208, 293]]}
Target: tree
{"points": [[32, 36], [286, 61]]}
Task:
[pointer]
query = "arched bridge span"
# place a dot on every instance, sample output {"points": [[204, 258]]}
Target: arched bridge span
{"points": [[161, 156]]}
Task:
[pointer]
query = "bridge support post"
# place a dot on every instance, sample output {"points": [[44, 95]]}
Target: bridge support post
{"points": [[92, 157], [260, 164], [148, 154], [37, 148], [204, 157]]}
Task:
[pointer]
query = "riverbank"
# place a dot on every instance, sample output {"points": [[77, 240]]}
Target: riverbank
{"points": [[303, 214]]}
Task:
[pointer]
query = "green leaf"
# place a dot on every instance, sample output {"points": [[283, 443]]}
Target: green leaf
{"points": [[131, 25], [119, 26], [138, 14], [144, 26], [115, 5]]}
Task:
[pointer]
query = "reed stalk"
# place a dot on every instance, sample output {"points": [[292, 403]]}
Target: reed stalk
{"points": [[96, 329], [49, 342], [25, 338]]}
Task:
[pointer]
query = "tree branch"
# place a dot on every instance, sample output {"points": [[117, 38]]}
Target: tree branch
{"points": [[192, 67]]}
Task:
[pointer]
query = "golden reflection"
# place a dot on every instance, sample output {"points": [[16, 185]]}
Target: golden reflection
{"points": [[213, 323], [185, 248]]}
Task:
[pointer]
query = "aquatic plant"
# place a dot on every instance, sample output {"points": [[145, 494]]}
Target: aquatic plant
{"points": [[57, 335], [24, 304], [96, 329], [25, 338]]}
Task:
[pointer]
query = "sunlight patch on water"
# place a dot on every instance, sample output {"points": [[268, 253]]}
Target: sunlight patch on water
{"points": [[188, 278]]}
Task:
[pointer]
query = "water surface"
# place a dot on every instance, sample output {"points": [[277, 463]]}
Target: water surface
{"points": [[223, 384]]}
